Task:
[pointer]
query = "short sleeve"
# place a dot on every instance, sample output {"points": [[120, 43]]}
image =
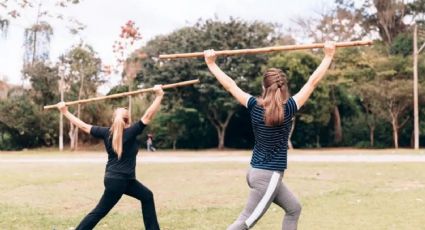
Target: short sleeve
{"points": [[291, 107], [99, 132], [252, 101], [136, 128]]}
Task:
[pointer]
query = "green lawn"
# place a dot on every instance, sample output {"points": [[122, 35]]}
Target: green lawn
{"points": [[211, 195]]}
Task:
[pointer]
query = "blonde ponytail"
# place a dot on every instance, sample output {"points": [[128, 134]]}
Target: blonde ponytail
{"points": [[116, 132]]}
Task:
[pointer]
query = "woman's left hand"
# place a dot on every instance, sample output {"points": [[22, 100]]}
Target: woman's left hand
{"points": [[158, 90], [329, 48], [62, 107], [210, 56]]}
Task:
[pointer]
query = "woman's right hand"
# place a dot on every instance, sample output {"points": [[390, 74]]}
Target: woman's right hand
{"points": [[158, 90], [329, 49], [62, 107], [210, 56]]}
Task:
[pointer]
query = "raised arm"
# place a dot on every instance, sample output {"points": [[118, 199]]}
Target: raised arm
{"points": [[154, 107], [73, 119], [302, 96], [228, 83]]}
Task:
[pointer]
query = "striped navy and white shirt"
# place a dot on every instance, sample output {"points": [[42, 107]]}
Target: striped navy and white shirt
{"points": [[271, 143]]}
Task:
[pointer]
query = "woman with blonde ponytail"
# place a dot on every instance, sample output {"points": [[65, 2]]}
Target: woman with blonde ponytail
{"points": [[117, 129], [121, 144], [271, 119]]}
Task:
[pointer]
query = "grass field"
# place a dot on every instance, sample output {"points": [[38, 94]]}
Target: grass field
{"points": [[211, 195]]}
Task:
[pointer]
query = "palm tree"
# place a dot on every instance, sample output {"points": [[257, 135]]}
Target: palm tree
{"points": [[4, 26], [37, 43]]}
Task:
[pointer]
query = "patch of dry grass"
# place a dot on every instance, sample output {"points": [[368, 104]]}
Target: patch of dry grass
{"points": [[211, 195]]}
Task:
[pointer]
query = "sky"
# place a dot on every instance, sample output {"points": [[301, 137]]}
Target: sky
{"points": [[103, 19]]}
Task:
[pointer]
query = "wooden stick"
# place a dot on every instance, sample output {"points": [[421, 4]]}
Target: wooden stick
{"points": [[174, 85], [266, 49]]}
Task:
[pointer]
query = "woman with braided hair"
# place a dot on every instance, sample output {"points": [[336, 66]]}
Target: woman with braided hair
{"points": [[271, 118]]}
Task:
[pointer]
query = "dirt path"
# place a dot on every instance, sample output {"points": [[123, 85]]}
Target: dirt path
{"points": [[198, 158]]}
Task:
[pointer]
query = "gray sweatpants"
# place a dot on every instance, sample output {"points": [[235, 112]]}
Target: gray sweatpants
{"points": [[266, 187]]}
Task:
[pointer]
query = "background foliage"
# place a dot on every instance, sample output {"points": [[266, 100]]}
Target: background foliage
{"points": [[365, 100]]}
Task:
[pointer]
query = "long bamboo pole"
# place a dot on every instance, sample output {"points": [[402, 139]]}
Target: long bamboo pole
{"points": [[168, 86], [266, 49]]}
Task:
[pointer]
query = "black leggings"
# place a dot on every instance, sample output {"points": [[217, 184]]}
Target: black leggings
{"points": [[114, 189]]}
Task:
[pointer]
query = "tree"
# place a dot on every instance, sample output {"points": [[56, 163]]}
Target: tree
{"points": [[384, 90], [341, 23], [127, 60], [83, 80], [44, 83], [337, 24], [371, 106], [19, 123], [131, 68], [388, 18], [118, 102], [26, 124], [23, 124], [210, 98], [38, 33], [416, 9], [37, 43], [12, 11], [170, 125], [402, 44], [395, 101], [350, 65], [4, 25]]}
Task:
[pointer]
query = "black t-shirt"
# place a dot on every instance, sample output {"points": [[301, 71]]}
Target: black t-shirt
{"points": [[124, 168]]}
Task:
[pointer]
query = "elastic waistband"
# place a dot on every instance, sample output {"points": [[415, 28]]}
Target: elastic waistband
{"points": [[266, 170]]}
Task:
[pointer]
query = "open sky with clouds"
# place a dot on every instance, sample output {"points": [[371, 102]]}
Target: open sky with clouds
{"points": [[103, 19]]}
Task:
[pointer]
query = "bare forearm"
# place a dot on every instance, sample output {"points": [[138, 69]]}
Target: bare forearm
{"points": [[77, 122], [222, 77], [319, 73], [152, 110]]}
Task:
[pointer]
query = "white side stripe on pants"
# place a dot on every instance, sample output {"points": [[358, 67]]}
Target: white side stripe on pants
{"points": [[264, 201]]}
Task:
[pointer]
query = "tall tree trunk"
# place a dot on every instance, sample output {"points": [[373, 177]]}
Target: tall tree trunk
{"points": [[80, 94], [337, 125], [372, 135], [34, 47], [290, 146], [35, 30], [370, 121], [174, 143], [395, 132], [318, 141], [221, 135], [387, 32], [71, 136], [220, 126]]}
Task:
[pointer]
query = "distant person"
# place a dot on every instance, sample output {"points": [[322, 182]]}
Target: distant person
{"points": [[271, 118], [149, 143], [120, 175]]}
